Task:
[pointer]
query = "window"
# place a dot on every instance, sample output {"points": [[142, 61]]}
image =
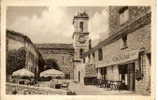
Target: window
{"points": [[139, 71], [100, 54], [124, 15], [90, 45], [81, 26], [93, 54], [81, 53], [124, 42]]}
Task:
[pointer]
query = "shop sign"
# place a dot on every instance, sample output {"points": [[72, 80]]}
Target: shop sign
{"points": [[118, 59]]}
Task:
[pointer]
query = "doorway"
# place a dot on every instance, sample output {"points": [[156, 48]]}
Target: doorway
{"points": [[131, 76], [127, 76]]}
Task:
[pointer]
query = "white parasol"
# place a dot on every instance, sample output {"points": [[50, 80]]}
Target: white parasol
{"points": [[23, 73], [51, 73]]}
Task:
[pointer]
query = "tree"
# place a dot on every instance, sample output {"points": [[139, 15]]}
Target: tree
{"points": [[15, 60], [51, 64]]}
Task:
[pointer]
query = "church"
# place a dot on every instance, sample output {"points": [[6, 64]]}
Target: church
{"points": [[81, 44]]}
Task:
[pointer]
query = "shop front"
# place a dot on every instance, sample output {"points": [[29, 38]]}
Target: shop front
{"points": [[127, 75], [118, 72]]}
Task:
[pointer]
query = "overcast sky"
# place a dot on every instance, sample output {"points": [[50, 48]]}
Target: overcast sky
{"points": [[54, 24]]}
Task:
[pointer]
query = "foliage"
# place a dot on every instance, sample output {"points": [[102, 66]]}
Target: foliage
{"points": [[15, 60], [51, 64]]}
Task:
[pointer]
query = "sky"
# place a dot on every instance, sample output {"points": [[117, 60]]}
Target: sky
{"points": [[54, 24]]}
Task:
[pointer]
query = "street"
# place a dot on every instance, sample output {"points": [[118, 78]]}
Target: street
{"points": [[94, 90]]}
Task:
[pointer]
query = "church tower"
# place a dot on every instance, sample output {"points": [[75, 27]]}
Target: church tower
{"points": [[81, 34], [80, 43]]}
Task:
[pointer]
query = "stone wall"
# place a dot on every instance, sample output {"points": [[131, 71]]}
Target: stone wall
{"points": [[140, 38], [136, 40], [64, 59], [134, 12]]}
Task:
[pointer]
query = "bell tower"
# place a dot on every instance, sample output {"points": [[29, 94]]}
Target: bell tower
{"points": [[80, 35], [80, 44]]}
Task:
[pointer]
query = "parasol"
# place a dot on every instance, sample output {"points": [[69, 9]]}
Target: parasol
{"points": [[23, 73], [51, 73]]}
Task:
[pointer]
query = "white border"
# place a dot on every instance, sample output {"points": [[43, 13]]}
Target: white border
{"points": [[6, 3]]}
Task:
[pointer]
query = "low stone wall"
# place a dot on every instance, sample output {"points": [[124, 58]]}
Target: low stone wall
{"points": [[31, 90]]}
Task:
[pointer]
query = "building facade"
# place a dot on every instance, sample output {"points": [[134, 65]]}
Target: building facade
{"points": [[62, 54], [81, 44], [22, 53], [125, 56]]}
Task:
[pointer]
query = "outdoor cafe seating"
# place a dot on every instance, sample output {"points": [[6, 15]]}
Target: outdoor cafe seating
{"points": [[56, 78], [113, 85]]}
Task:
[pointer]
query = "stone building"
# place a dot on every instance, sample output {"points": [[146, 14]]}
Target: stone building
{"points": [[22, 53], [81, 44], [125, 55], [62, 54]]}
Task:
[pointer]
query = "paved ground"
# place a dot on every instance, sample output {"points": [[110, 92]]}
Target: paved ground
{"points": [[33, 90], [94, 90], [77, 88]]}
